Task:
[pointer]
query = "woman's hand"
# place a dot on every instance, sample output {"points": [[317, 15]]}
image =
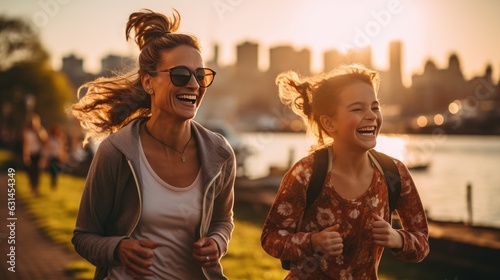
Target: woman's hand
{"points": [[384, 234], [206, 252], [328, 241], [136, 256]]}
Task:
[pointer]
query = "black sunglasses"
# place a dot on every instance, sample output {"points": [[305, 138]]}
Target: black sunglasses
{"points": [[181, 75]]}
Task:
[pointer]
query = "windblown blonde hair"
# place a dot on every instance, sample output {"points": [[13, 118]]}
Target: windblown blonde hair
{"points": [[111, 103], [312, 97]]}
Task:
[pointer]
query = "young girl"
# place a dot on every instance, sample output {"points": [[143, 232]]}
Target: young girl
{"points": [[344, 232]]}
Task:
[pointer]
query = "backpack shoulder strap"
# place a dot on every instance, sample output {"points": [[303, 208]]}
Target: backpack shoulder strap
{"points": [[318, 176], [320, 168], [392, 177]]}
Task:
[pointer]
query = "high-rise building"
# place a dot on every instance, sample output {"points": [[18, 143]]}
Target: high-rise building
{"points": [[284, 58], [247, 57], [331, 59], [115, 63], [395, 62], [72, 67]]}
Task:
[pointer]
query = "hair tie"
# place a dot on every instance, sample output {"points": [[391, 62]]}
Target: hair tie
{"points": [[163, 33]]}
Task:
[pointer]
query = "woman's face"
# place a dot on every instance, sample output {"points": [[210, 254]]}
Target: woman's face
{"points": [[173, 101], [358, 119]]}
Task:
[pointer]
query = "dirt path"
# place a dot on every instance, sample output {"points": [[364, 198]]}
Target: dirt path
{"points": [[36, 256]]}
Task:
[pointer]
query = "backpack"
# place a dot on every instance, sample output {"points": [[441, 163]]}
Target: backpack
{"points": [[320, 166]]}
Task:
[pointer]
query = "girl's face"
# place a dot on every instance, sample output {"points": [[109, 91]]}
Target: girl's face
{"points": [[172, 101], [358, 119]]}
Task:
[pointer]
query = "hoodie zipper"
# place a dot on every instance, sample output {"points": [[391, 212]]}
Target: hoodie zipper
{"points": [[203, 214], [140, 198]]}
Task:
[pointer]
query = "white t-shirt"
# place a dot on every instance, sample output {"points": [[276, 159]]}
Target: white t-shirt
{"points": [[34, 143], [170, 216]]}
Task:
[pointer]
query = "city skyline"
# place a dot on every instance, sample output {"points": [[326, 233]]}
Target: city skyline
{"points": [[428, 30], [246, 54], [438, 96]]}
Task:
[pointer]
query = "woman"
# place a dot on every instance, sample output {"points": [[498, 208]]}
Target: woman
{"points": [[343, 234], [158, 198], [34, 138], [56, 153]]}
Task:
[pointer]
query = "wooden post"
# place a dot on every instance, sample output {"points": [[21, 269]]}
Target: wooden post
{"points": [[291, 157], [469, 204]]}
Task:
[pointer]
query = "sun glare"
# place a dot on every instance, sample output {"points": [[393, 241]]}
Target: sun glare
{"points": [[455, 106], [438, 119], [422, 121], [394, 146]]}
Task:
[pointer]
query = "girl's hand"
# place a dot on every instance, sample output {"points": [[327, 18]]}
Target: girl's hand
{"points": [[385, 235], [328, 241]]}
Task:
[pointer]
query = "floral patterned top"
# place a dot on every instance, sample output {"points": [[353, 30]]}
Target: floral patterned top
{"points": [[361, 256]]}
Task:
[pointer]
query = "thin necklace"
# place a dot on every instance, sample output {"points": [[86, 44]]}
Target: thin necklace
{"points": [[183, 158]]}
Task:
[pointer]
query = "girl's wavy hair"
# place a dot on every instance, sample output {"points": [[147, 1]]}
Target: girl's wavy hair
{"points": [[312, 97], [110, 103]]}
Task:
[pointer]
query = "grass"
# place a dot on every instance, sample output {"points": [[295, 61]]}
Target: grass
{"points": [[246, 259], [6, 159], [55, 213], [5, 155]]}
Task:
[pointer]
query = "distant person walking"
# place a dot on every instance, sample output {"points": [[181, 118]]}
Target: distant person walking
{"points": [[56, 151], [34, 138], [344, 231]]}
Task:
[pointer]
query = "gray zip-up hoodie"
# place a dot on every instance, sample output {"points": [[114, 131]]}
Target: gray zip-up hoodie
{"points": [[111, 202]]}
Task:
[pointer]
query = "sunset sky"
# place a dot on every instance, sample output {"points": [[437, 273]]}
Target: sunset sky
{"points": [[428, 28]]}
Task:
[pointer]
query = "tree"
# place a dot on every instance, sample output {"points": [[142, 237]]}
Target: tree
{"points": [[27, 82], [19, 43]]}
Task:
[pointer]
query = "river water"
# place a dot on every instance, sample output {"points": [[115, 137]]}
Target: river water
{"points": [[454, 162]]}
